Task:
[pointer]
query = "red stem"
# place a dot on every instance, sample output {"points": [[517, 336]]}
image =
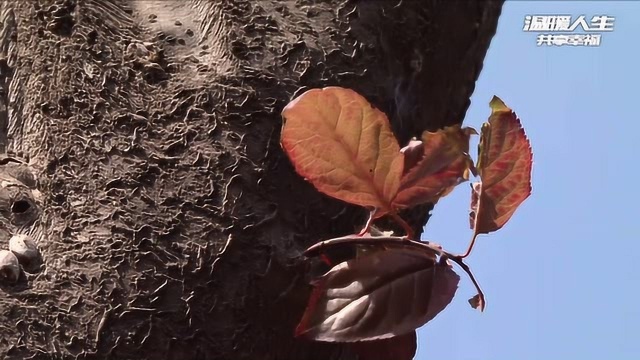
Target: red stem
{"points": [[407, 228], [470, 247]]}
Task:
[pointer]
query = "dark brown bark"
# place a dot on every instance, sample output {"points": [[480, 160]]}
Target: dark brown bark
{"points": [[171, 224]]}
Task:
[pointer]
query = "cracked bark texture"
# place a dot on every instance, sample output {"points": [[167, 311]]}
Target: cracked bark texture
{"points": [[169, 220]]}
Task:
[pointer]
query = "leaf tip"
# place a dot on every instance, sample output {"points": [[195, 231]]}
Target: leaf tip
{"points": [[498, 105]]}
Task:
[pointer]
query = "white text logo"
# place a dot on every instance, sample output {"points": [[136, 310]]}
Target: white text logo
{"points": [[562, 30]]}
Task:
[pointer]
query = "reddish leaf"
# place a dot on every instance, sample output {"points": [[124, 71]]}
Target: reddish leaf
{"points": [[504, 166], [359, 245], [379, 295], [443, 164], [401, 347], [413, 152], [343, 146]]}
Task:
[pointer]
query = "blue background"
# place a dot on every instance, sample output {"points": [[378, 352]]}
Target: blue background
{"points": [[560, 278]]}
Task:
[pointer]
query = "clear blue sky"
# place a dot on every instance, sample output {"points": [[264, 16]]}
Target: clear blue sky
{"points": [[561, 278]]}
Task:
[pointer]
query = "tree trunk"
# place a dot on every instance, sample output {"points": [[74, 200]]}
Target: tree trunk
{"points": [[170, 222]]}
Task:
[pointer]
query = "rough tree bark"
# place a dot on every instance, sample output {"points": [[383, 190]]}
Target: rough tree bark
{"points": [[169, 220]]}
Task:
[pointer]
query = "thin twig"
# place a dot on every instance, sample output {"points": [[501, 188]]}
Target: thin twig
{"points": [[465, 267]]}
